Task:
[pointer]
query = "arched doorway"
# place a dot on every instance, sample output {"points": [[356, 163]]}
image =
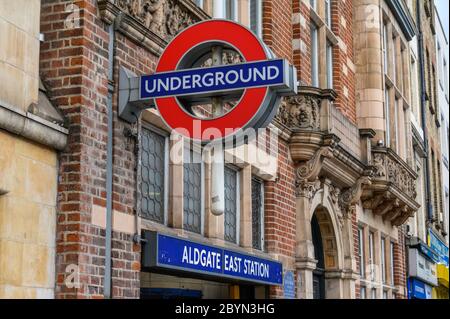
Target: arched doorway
{"points": [[325, 282], [319, 272]]}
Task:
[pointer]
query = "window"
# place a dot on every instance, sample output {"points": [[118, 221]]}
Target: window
{"points": [[328, 12], [387, 116], [383, 259], [441, 66], [314, 56], [231, 10], [415, 91], [371, 256], [374, 293], [396, 128], [153, 171], [362, 268], [363, 294], [394, 60], [392, 264], [313, 4], [192, 192], [385, 294], [329, 65], [199, 3], [257, 213], [385, 49], [256, 17], [445, 71], [231, 218]]}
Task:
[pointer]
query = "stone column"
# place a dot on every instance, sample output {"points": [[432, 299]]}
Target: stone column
{"points": [[245, 179], [350, 273], [175, 218], [305, 261]]}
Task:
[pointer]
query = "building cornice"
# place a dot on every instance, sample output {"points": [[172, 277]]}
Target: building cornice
{"points": [[404, 19], [35, 128]]}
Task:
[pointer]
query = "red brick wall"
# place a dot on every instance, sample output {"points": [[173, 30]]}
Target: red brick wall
{"points": [[279, 197], [343, 83], [74, 64], [400, 267], [302, 59], [277, 27], [280, 216]]}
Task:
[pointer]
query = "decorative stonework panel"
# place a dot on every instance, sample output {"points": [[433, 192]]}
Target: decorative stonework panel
{"points": [[300, 112], [389, 168], [163, 17]]}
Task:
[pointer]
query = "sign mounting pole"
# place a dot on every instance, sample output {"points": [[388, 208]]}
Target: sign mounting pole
{"points": [[217, 152]]}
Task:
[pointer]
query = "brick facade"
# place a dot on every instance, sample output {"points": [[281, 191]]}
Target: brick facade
{"points": [[74, 64]]}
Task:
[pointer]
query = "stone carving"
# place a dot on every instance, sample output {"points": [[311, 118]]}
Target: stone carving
{"points": [[390, 169], [228, 57], [378, 163], [164, 17], [300, 112], [306, 189], [309, 171], [350, 197]]}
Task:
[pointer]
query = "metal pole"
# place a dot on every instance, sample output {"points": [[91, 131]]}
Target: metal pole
{"points": [[423, 113], [109, 165], [217, 154]]}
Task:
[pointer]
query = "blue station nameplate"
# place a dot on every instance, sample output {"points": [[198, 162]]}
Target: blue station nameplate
{"points": [[162, 251], [215, 79]]}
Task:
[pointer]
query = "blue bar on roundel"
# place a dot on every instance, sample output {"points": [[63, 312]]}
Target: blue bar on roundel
{"points": [[213, 79]]}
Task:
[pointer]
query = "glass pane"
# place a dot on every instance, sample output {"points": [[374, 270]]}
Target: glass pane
{"points": [[230, 204], [152, 175], [192, 196], [256, 214]]}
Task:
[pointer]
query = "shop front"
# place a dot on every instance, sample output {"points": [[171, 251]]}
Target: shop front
{"points": [[441, 289], [422, 271], [175, 267]]}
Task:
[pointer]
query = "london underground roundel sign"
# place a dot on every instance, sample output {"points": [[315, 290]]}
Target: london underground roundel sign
{"points": [[181, 80]]}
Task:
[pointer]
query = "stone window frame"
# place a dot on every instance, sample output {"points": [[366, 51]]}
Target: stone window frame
{"points": [[361, 289], [149, 126], [241, 12], [392, 263], [361, 252], [397, 82], [314, 36], [383, 259], [377, 282], [414, 96], [325, 38]]}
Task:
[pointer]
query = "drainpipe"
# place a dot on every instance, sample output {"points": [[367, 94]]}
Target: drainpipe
{"points": [[423, 111], [109, 164]]}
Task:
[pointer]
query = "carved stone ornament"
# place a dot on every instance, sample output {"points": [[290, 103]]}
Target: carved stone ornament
{"points": [[300, 112], [306, 189], [350, 197], [388, 168], [309, 171], [378, 163], [163, 17]]}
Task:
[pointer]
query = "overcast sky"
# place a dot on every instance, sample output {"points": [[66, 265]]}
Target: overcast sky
{"points": [[442, 8]]}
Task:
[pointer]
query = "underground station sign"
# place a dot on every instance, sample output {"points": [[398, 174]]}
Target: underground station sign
{"points": [[177, 255], [182, 80]]}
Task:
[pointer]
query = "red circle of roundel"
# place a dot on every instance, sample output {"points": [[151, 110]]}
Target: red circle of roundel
{"points": [[216, 30]]}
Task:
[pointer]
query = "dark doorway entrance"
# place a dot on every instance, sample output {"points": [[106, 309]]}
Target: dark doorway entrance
{"points": [[319, 272], [170, 293]]}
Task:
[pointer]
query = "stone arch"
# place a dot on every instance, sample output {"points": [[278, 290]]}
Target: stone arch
{"points": [[328, 214]]}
